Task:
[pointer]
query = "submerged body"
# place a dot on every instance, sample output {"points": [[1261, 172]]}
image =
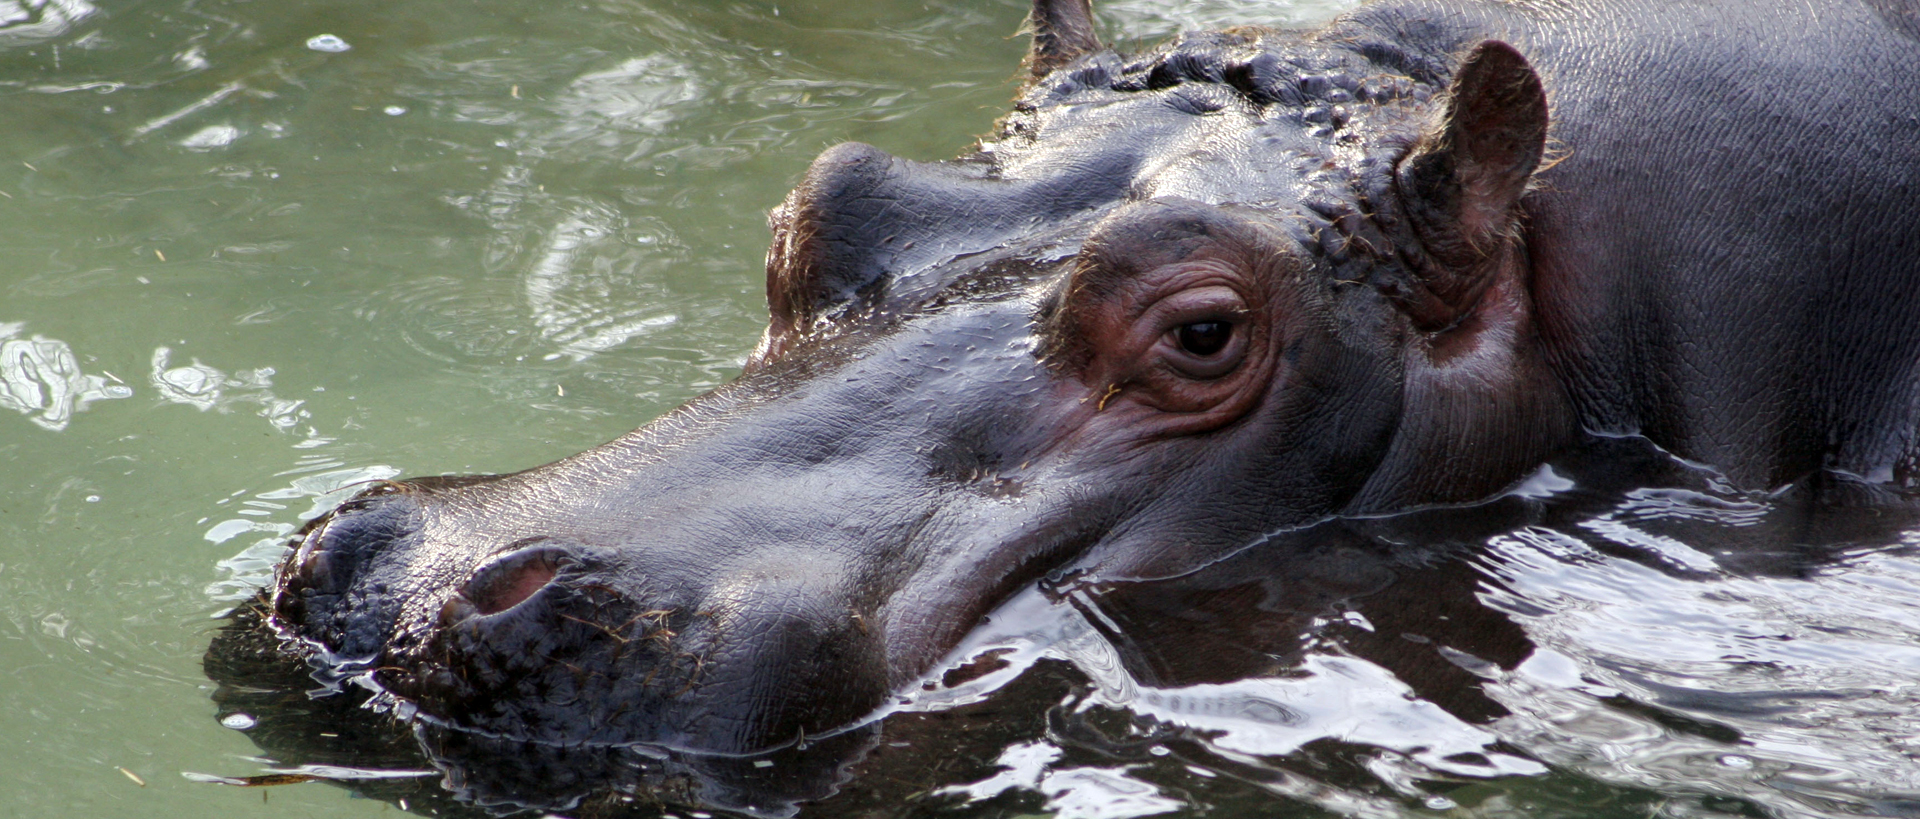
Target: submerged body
{"points": [[1245, 282]]}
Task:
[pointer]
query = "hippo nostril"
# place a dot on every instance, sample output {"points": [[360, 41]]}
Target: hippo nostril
{"points": [[510, 579], [317, 570], [336, 589], [336, 548], [509, 591]]}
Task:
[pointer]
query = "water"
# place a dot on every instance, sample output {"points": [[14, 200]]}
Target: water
{"points": [[257, 252]]}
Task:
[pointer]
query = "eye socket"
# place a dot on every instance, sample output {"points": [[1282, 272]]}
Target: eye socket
{"points": [[1175, 314], [1204, 339]]}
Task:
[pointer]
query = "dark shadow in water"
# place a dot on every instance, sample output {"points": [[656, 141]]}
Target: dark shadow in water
{"points": [[1407, 593]]}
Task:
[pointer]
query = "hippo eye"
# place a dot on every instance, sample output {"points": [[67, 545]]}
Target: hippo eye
{"points": [[1203, 339], [1197, 333], [1205, 349]]}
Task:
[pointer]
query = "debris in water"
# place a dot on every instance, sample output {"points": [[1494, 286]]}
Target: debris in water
{"points": [[328, 43], [261, 781]]}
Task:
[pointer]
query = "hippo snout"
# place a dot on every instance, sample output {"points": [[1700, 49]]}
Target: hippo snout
{"points": [[546, 643], [336, 586], [550, 638]]}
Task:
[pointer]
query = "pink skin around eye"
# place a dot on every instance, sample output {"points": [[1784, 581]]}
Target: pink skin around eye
{"points": [[1139, 362]]}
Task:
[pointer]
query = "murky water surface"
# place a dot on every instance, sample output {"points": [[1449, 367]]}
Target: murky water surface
{"points": [[255, 252]]}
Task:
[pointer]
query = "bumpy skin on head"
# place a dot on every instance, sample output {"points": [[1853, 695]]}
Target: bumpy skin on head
{"points": [[1244, 281]]}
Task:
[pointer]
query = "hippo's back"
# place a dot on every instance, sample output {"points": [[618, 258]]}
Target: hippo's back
{"points": [[1727, 250]]}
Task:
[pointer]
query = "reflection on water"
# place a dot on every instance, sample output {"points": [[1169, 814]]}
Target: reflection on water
{"points": [[578, 322], [1624, 635], [205, 388], [41, 378], [1801, 684], [27, 21]]}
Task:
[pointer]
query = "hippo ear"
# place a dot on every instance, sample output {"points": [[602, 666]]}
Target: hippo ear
{"points": [[1460, 184], [800, 288], [1062, 32], [822, 262]]}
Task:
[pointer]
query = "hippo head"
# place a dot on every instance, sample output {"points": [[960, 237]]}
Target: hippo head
{"points": [[1179, 301]]}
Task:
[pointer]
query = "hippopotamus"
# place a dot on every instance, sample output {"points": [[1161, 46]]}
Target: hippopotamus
{"points": [[1178, 301]]}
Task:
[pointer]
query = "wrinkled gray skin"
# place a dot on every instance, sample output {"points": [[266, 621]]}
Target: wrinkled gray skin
{"points": [[1438, 260]]}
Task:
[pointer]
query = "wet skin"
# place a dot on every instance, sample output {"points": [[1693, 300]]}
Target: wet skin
{"points": [[1180, 301]]}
